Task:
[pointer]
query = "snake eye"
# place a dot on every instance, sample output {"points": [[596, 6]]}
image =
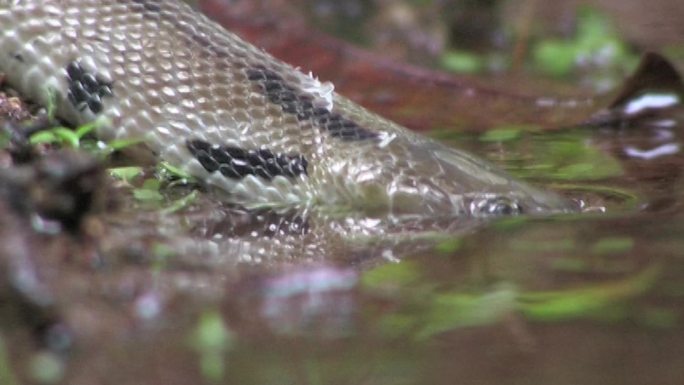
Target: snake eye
{"points": [[495, 206]]}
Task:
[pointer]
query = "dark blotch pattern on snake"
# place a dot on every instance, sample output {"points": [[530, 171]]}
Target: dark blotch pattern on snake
{"points": [[236, 163], [302, 106], [86, 89]]}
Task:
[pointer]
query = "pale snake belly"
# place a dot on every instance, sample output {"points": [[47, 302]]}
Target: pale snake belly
{"points": [[235, 117]]}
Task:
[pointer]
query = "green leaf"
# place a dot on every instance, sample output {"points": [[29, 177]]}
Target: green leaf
{"points": [[151, 184], [43, 137], [145, 195], [67, 136], [174, 172], [462, 62], [181, 203], [149, 192], [126, 173], [57, 135], [85, 129]]}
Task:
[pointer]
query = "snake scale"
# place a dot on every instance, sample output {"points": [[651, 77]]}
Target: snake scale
{"points": [[233, 116]]}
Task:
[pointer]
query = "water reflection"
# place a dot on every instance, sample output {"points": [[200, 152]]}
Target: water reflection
{"points": [[649, 103], [653, 153], [338, 297], [316, 301]]}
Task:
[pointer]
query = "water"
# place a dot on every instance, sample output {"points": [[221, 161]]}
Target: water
{"points": [[591, 298]]}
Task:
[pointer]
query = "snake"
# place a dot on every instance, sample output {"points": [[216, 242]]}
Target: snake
{"points": [[234, 117]]}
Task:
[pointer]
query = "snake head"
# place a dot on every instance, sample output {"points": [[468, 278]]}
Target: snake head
{"points": [[417, 175]]}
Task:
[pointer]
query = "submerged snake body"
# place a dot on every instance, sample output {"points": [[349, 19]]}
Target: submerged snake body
{"points": [[234, 116]]}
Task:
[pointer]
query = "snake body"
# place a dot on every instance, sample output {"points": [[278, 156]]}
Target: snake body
{"points": [[233, 116]]}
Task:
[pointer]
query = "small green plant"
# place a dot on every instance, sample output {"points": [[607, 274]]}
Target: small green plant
{"points": [[149, 191], [169, 171], [181, 203], [62, 136], [80, 138], [126, 174]]}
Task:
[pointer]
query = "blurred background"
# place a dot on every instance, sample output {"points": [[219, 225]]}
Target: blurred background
{"points": [[591, 42]]}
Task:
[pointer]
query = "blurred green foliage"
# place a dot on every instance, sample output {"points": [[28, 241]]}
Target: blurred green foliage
{"points": [[596, 43], [596, 53], [149, 191], [463, 62], [63, 136], [564, 157], [506, 133], [47, 368], [551, 156], [7, 375], [431, 309], [613, 245], [212, 340]]}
